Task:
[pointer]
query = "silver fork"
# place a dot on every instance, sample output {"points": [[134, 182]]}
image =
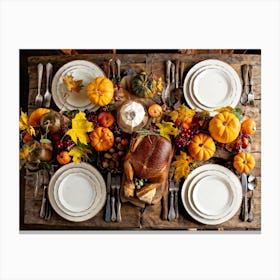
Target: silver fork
{"points": [[118, 186], [39, 97], [47, 95], [176, 189], [171, 212], [113, 200], [251, 95]]}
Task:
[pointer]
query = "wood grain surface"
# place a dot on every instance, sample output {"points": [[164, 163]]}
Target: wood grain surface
{"points": [[134, 218]]}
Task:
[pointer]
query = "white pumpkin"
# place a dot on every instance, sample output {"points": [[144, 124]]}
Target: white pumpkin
{"points": [[132, 116]]}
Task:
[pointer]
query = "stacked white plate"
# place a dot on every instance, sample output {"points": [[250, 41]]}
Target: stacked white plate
{"points": [[77, 192], [212, 84], [80, 70], [212, 194]]}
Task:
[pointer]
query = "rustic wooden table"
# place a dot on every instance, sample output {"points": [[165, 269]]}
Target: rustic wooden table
{"points": [[134, 218]]}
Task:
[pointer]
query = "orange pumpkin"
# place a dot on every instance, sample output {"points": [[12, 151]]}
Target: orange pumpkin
{"points": [[224, 127], [63, 157], [155, 111], [101, 139], [35, 116], [100, 91], [244, 162], [202, 147], [248, 126]]}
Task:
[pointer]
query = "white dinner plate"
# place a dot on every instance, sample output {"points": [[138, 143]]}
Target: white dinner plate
{"points": [[237, 195], [94, 205], [95, 192], [232, 82], [227, 202], [80, 70]]}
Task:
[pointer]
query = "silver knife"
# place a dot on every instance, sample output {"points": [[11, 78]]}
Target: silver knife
{"points": [[108, 199], [118, 62], [166, 93], [244, 210]]}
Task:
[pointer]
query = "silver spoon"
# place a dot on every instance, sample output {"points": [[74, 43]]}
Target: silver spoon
{"points": [[251, 187]]}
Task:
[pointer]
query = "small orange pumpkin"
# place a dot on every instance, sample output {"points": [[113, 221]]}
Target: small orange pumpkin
{"points": [[100, 91], [101, 139], [63, 157], [224, 127], [155, 110], [248, 126], [244, 162], [202, 147], [35, 116]]}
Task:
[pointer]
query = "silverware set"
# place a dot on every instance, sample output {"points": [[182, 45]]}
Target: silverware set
{"points": [[247, 96], [247, 212], [113, 201], [44, 100]]}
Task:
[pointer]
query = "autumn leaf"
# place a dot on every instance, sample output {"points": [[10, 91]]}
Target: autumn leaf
{"points": [[173, 115], [24, 153], [182, 166], [184, 112], [166, 129], [71, 84], [77, 153], [80, 127], [24, 125]]}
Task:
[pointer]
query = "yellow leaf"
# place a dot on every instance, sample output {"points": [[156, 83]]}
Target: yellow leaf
{"points": [[71, 84], [24, 125], [24, 153], [166, 129], [80, 127], [76, 154], [182, 165], [184, 112], [173, 115]]}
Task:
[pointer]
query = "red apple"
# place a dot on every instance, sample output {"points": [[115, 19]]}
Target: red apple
{"points": [[106, 119]]}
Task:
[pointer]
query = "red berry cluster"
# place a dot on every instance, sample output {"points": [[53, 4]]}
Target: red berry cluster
{"points": [[184, 138], [62, 142], [92, 117]]}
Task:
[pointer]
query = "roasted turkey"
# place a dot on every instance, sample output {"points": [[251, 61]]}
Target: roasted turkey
{"points": [[148, 158]]}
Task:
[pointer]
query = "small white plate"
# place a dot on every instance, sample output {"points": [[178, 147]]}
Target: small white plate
{"points": [[212, 88], [233, 82], [98, 203], [212, 195], [237, 197], [80, 70], [201, 176], [76, 192], [94, 184]]}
